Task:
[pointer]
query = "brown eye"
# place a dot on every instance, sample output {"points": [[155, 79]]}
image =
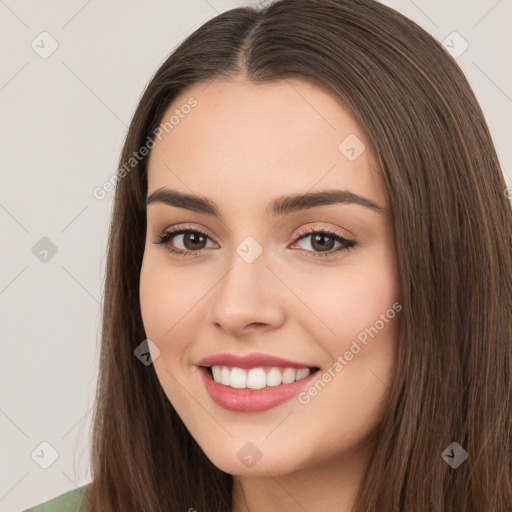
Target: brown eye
{"points": [[323, 242], [191, 240]]}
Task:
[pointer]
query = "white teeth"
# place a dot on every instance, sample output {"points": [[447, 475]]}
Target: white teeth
{"points": [[257, 378], [303, 372], [238, 378], [288, 375], [274, 377], [225, 376], [217, 373]]}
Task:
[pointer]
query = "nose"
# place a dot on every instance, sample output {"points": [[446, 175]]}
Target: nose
{"points": [[248, 298]]}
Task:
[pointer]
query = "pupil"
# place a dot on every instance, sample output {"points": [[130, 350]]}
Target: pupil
{"points": [[322, 246], [194, 237]]}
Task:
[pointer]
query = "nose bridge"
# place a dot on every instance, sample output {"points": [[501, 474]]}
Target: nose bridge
{"points": [[248, 274], [247, 293]]}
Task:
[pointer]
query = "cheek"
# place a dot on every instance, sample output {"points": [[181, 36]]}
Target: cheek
{"points": [[361, 309], [165, 302], [355, 321], [153, 301], [346, 301]]}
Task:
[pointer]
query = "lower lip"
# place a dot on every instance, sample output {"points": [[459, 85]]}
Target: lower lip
{"points": [[252, 400]]}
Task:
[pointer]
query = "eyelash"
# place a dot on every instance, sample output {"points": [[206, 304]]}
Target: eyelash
{"points": [[166, 237]]}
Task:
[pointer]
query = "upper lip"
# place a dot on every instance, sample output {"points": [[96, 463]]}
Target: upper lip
{"points": [[254, 360]]}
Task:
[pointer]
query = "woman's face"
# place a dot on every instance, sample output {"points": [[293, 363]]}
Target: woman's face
{"points": [[271, 289]]}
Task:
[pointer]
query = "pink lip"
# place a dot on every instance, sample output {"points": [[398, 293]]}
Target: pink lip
{"points": [[250, 361], [252, 400]]}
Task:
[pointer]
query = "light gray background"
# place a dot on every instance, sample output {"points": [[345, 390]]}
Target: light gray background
{"points": [[63, 120]]}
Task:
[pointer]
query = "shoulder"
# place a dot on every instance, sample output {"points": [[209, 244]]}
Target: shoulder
{"points": [[67, 502]]}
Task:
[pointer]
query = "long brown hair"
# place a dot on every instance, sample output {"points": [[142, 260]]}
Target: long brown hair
{"points": [[452, 379]]}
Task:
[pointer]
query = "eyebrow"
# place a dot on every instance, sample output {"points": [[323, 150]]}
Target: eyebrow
{"points": [[280, 206]]}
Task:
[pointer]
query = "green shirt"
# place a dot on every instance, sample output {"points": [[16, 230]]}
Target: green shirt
{"points": [[67, 502]]}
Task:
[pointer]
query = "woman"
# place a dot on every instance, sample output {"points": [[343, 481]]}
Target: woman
{"points": [[311, 243]]}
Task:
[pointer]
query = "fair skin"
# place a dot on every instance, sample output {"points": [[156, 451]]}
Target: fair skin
{"points": [[242, 146]]}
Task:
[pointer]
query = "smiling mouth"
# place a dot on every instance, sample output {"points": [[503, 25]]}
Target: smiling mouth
{"points": [[258, 377]]}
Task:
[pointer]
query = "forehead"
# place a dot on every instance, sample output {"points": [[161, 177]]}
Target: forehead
{"points": [[261, 140]]}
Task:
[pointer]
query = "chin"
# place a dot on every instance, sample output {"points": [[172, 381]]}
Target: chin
{"points": [[257, 458]]}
